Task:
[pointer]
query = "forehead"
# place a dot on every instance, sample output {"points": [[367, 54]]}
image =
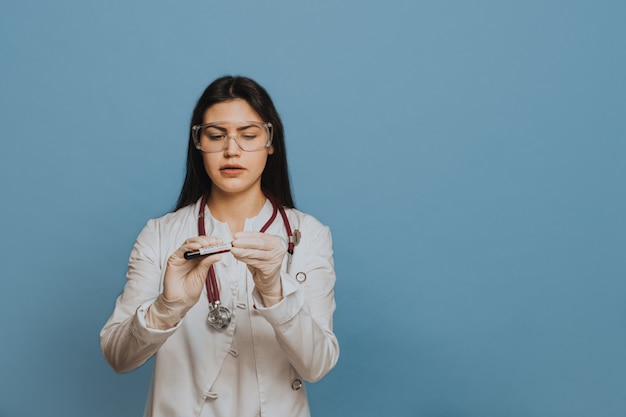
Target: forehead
{"points": [[231, 110]]}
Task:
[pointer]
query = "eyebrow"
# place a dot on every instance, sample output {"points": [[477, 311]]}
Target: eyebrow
{"points": [[239, 129]]}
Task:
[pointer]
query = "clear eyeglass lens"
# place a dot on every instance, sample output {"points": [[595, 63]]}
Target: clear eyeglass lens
{"points": [[249, 136]]}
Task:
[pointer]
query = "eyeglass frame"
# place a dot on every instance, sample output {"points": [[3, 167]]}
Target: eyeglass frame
{"points": [[267, 125]]}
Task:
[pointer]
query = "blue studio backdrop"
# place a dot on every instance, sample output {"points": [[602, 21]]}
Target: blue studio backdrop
{"points": [[469, 157]]}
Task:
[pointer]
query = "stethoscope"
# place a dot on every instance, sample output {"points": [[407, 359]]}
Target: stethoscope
{"points": [[219, 316]]}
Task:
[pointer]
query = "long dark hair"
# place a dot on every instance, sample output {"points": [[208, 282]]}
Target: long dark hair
{"points": [[275, 177]]}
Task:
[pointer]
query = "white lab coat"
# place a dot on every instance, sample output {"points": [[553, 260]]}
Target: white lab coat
{"points": [[293, 341]]}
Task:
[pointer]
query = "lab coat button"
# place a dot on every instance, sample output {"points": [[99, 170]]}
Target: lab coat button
{"points": [[211, 395], [234, 352], [300, 277], [241, 305], [296, 384]]}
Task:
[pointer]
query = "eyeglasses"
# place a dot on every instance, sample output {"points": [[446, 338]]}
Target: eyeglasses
{"points": [[214, 137]]}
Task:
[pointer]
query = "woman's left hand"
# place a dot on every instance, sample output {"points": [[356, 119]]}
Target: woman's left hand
{"points": [[263, 253]]}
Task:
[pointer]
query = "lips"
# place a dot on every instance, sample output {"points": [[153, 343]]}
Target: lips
{"points": [[231, 169]]}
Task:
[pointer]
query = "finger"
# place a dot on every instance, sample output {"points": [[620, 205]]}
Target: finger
{"points": [[209, 260], [245, 254], [197, 269], [254, 240], [203, 241], [250, 240], [198, 242]]}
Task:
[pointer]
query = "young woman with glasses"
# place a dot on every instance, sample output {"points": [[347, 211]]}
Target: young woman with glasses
{"points": [[233, 333]]}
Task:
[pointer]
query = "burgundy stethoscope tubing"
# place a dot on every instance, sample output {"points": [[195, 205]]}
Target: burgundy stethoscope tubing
{"points": [[212, 290]]}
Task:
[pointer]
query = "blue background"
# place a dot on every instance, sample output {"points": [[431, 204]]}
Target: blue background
{"points": [[469, 157]]}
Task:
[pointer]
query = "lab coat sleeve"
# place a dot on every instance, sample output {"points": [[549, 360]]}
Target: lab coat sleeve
{"points": [[303, 320], [125, 339]]}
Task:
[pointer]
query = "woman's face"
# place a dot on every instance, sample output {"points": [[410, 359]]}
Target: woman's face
{"points": [[232, 170]]}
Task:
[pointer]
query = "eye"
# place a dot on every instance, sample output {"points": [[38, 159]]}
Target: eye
{"points": [[250, 133], [213, 134]]}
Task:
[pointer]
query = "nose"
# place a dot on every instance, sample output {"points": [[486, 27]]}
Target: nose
{"points": [[231, 147]]}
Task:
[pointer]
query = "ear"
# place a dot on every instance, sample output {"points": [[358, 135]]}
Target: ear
{"points": [[270, 151]]}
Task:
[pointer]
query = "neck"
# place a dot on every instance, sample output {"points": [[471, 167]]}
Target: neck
{"points": [[235, 209]]}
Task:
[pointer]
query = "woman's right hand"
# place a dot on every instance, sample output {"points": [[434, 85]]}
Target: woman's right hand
{"points": [[184, 279]]}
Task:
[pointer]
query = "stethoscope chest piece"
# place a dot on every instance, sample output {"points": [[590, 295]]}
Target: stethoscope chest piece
{"points": [[219, 317]]}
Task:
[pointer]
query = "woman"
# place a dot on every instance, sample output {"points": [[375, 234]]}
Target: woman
{"points": [[236, 333]]}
